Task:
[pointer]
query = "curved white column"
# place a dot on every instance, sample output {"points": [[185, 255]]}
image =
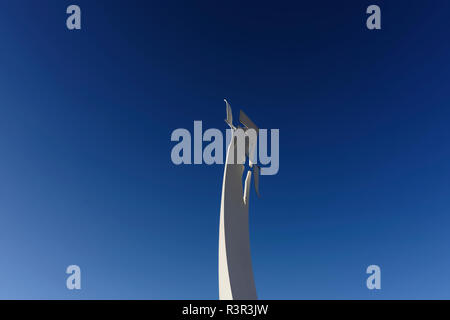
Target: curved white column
{"points": [[235, 265]]}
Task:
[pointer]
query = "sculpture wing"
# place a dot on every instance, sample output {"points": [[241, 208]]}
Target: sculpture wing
{"points": [[229, 118], [245, 120], [256, 177]]}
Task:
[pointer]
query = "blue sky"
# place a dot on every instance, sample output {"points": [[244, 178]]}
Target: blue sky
{"points": [[85, 170]]}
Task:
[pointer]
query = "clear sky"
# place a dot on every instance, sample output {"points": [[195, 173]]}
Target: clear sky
{"points": [[86, 117]]}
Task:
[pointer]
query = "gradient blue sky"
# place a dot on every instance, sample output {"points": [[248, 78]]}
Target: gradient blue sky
{"points": [[85, 124]]}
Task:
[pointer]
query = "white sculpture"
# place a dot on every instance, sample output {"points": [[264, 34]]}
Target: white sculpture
{"points": [[235, 265]]}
